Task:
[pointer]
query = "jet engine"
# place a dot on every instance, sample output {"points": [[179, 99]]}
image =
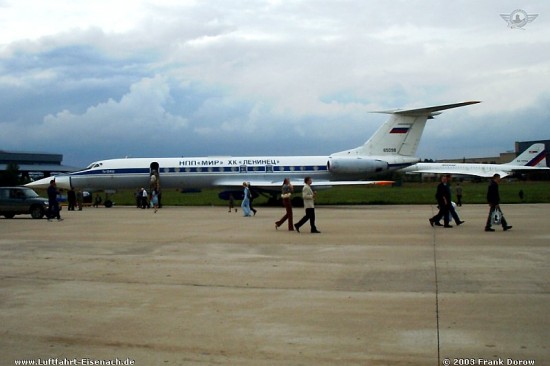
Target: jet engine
{"points": [[355, 165], [63, 182]]}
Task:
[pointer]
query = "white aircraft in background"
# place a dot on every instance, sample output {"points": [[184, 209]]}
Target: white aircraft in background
{"points": [[393, 146], [534, 158]]}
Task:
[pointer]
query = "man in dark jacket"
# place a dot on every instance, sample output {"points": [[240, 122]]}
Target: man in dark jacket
{"points": [[443, 197], [53, 209], [493, 199]]}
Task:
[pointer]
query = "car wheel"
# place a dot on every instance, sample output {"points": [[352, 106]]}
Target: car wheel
{"points": [[9, 216], [37, 212]]}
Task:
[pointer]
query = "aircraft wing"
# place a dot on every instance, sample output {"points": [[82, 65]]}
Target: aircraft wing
{"points": [[508, 170], [350, 183], [269, 185], [429, 111]]}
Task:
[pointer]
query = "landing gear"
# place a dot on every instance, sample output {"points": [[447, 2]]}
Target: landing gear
{"points": [[108, 202], [274, 201]]}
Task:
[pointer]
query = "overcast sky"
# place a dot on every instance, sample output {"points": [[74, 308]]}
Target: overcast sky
{"points": [[104, 79]]}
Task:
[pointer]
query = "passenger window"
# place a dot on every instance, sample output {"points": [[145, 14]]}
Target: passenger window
{"points": [[14, 193]]}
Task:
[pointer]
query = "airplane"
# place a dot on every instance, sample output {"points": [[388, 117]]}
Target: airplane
{"points": [[534, 158], [393, 146]]}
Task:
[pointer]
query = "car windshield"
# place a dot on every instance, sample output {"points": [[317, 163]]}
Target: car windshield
{"points": [[29, 193]]}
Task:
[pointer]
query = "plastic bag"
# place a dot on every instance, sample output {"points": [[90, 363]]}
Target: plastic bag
{"points": [[496, 217]]}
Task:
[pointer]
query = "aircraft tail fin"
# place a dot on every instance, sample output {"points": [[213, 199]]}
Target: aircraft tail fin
{"points": [[400, 135], [534, 156]]}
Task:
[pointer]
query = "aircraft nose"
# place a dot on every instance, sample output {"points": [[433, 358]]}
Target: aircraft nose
{"points": [[62, 182], [40, 184]]}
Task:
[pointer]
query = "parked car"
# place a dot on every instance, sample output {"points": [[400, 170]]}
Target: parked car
{"points": [[22, 201]]}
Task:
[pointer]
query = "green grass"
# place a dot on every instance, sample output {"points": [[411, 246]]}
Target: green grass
{"points": [[408, 193], [424, 193]]}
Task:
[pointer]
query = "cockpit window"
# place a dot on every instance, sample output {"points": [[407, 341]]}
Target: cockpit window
{"points": [[93, 166]]}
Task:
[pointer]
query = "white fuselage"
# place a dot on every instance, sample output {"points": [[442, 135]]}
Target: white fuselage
{"points": [[267, 171], [480, 170], [533, 158]]}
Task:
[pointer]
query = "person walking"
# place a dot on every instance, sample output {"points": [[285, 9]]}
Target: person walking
{"points": [[138, 193], [53, 205], [458, 195], [493, 199], [250, 199], [452, 212], [308, 196], [245, 204], [144, 200], [97, 201], [443, 198], [155, 200], [71, 199], [231, 203], [79, 199], [286, 194]]}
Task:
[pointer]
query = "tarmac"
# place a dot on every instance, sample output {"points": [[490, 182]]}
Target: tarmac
{"points": [[201, 286]]}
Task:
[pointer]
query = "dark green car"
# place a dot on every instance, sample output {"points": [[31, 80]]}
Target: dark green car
{"points": [[22, 201]]}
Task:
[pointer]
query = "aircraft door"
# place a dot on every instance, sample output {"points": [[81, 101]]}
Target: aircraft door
{"points": [[154, 176]]}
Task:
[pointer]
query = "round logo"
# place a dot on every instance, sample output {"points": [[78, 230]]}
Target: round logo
{"points": [[518, 18]]}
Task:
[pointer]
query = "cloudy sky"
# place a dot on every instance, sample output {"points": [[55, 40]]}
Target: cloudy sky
{"points": [[103, 79]]}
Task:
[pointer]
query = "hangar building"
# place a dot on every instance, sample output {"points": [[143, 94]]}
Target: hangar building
{"points": [[33, 164]]}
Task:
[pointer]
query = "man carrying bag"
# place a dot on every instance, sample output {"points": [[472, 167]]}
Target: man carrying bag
{"points": [[493, 198]]}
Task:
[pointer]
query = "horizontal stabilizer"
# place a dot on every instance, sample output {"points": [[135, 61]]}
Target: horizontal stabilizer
{"points": [[428, 111]]}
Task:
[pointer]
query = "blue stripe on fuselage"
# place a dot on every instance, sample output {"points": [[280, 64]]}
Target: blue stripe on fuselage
{"points": [[236, 169], [112, 171]]}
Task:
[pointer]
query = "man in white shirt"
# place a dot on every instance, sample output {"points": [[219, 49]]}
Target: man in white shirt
{"points": [[144, 203], [308, 196]]}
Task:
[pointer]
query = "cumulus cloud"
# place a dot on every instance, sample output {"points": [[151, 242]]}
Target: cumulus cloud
{"points": [[136, 117]]}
